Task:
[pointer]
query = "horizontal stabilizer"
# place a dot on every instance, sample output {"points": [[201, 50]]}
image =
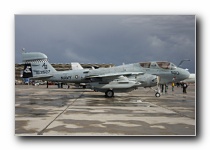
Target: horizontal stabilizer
{"points": [[41, 77]]}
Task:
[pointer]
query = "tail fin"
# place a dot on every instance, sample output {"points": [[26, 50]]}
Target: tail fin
{"points": [[37, 65], [27, 72], [76, 66]]}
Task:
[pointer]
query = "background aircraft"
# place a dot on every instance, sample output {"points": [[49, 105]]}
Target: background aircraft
{"points": [[190, 79], [76, 66], [122, 78]]}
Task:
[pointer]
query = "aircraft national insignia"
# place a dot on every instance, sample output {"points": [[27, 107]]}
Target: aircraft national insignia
{"points": [[175, 72]]}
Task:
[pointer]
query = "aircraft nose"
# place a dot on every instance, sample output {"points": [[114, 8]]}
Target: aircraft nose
{"points": [[186, 74]]}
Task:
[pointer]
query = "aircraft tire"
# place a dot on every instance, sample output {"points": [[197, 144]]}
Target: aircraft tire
{"points": [[109, 93], [157, 94]]}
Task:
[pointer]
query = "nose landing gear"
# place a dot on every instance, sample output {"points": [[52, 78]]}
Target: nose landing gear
{"points": [[157, 94]]}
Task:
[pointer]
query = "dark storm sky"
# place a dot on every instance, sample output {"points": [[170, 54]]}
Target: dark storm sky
{"points": [[113, 39]]}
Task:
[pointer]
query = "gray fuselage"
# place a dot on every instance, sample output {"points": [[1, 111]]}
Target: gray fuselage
{"points": [[167, 75]]}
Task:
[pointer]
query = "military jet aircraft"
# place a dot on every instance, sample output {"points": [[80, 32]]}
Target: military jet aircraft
{"points": [[122, 78]]}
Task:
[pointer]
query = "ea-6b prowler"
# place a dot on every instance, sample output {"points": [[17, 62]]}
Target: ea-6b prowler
{"points": [[123, 78]]}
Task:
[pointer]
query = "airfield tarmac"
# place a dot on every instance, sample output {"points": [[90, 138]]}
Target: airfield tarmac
{"points": [[82, 112]]}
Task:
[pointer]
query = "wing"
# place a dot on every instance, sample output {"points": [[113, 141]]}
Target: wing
{"points": [[115, 74]]}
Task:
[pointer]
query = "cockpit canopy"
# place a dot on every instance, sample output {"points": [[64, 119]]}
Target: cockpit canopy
{"points": [[158, 64], [145, 64]]}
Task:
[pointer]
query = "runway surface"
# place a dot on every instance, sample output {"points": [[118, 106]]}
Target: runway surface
{"points": [[82, 112]]}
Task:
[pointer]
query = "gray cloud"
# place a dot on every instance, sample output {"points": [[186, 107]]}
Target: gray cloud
{"points": [[107, 38]]}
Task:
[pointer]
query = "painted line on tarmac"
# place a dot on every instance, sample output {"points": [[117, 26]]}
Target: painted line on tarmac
{"points": [[42, 131]]}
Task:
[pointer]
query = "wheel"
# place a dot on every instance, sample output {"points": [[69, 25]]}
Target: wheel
{"points": [[109, 93], [157, 94]]}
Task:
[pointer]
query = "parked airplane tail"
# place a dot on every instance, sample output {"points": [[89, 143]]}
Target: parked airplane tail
{"points": [[76, 66], [36, 65]]}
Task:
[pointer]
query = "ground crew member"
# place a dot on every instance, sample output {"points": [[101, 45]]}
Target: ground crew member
{"points": [[185, 87], [47, 84], [173, 84]]}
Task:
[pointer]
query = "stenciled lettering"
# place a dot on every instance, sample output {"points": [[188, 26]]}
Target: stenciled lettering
{"points": [[65, 77], [42, 72], [45, 66]]}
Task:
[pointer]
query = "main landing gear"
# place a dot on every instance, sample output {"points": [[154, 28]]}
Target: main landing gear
{"points": [[109, 93]]}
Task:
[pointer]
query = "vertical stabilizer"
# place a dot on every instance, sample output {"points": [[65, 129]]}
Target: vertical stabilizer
{"points": [[76, 66], [36, 64]]}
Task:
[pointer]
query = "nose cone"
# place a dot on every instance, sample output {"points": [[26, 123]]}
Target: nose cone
{"points": [[187, 74], [184, 74]]}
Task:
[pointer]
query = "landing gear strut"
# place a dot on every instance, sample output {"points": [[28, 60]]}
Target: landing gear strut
{"points": [[109, 93], [157, 94]]}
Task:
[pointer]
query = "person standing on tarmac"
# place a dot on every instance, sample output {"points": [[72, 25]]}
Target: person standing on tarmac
{"points": [[173, 84], [184, 86]]}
